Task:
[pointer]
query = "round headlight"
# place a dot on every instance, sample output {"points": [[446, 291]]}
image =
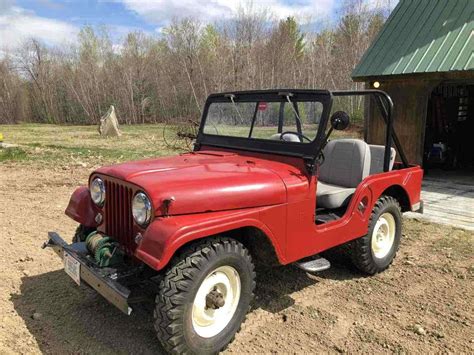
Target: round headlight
{"points": [[97, 190], [141, 209]]}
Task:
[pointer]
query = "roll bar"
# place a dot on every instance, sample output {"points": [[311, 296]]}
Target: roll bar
{"points": [[385, 105]]}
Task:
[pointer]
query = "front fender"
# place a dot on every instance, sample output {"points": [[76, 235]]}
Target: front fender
{"points": [[81, 208], [166, 235]]}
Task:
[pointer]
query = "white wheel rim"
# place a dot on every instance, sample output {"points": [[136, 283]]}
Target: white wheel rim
{"points": [[208, 322], [383, 235]]}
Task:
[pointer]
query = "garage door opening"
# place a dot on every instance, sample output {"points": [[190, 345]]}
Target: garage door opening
{"points": [[449, 144]]}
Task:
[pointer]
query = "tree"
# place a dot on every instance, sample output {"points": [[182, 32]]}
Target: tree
{"points": [[167, 77]]}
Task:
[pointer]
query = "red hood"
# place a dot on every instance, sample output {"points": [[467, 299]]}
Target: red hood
{"points": [[204, 181]]}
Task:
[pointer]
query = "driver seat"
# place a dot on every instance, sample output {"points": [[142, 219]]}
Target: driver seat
{"points": [[346, 164]]}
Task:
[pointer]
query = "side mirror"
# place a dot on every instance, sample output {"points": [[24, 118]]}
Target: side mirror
{"points": [[340, 120]]}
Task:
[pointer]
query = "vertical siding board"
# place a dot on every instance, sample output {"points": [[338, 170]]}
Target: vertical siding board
{"points": [[409, 116]]}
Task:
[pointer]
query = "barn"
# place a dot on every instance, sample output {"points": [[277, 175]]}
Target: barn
{"points": [[424, 58]]}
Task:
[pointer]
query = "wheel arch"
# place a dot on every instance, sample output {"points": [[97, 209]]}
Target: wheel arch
{"points": [[166, 237], [400, 194], [258, 243], [253, 238]]}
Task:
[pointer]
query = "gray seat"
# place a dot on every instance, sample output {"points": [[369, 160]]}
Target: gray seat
{"points": [[377, 153], [346, 164]]}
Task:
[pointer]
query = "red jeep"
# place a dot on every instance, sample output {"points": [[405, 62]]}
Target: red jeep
{"points": [[264, 184]]}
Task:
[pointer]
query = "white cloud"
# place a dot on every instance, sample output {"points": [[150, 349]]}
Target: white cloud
{"points": [[160, 12], [18, 25]]}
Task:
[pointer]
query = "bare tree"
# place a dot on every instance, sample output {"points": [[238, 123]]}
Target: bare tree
{"points": [[167, 77]]}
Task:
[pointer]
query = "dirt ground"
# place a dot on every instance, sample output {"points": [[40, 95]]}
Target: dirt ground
{"points": [[423, 303]]}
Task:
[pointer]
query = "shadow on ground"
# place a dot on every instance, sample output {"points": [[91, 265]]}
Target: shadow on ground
{"points": [[274, 285], [76, 319]]}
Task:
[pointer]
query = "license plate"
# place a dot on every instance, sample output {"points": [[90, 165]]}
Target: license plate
{"points": [[72, 267]]}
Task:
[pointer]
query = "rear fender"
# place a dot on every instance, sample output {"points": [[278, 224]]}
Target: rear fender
{"points": [[403, 184], [166, 235], [81, 208]]}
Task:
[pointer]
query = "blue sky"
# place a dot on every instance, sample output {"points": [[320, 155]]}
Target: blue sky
{"points": [[55, 22]]}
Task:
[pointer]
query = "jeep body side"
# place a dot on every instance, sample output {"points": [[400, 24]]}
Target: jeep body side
{"points": [[274, 194]]}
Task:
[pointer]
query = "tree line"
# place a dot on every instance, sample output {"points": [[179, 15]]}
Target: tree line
{"points": [[167, 77]]}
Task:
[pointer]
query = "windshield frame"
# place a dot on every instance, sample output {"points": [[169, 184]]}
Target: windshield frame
{"points": [[304, 150]]}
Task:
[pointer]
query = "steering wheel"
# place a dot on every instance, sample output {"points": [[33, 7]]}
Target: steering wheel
{"points": [[296, 134]]}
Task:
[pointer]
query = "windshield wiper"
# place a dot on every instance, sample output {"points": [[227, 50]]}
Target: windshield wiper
{"points": [[293, 107], [231, 97]]}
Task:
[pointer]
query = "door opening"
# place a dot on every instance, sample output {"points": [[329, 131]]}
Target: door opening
{"points": [[450, 128]]}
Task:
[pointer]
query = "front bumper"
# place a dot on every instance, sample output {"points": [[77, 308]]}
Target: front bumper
{"points": [[104, 280]]}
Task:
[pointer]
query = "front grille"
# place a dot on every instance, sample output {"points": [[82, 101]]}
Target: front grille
{"points": [[118, 214]]}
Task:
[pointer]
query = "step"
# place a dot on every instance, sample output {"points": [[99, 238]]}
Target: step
{"points": [[314, 264]]}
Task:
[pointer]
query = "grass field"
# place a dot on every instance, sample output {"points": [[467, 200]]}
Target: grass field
{"points": [[54, 144], [41, 143]]}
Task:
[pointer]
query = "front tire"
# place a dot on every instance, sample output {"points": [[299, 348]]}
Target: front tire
{"points": [[374, 252], [204, 296]]}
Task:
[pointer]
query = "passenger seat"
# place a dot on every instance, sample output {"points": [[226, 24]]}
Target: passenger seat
{"points": [[346, 164], [377, 153]]}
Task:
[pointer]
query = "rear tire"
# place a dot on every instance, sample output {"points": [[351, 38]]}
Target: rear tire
{"points": [[374, 252], [204, 296]]}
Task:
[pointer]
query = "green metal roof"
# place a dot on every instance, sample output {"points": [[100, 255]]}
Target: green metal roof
{"points": [[422, 36]]}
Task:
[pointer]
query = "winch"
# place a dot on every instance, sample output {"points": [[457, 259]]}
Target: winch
{"points": [[104, 249]]}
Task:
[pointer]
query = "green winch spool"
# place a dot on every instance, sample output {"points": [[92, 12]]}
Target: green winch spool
{"points": [[104, 249]]}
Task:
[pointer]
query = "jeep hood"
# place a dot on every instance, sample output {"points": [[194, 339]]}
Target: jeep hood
{"points": [[202, 182]]}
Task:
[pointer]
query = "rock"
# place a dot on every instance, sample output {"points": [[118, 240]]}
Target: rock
{"points": [[109, 126], [438, 335], [419, 329], [36, 315]]}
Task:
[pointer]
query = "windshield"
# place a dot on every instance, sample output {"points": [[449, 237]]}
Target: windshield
{"points": [[282, 118]]}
